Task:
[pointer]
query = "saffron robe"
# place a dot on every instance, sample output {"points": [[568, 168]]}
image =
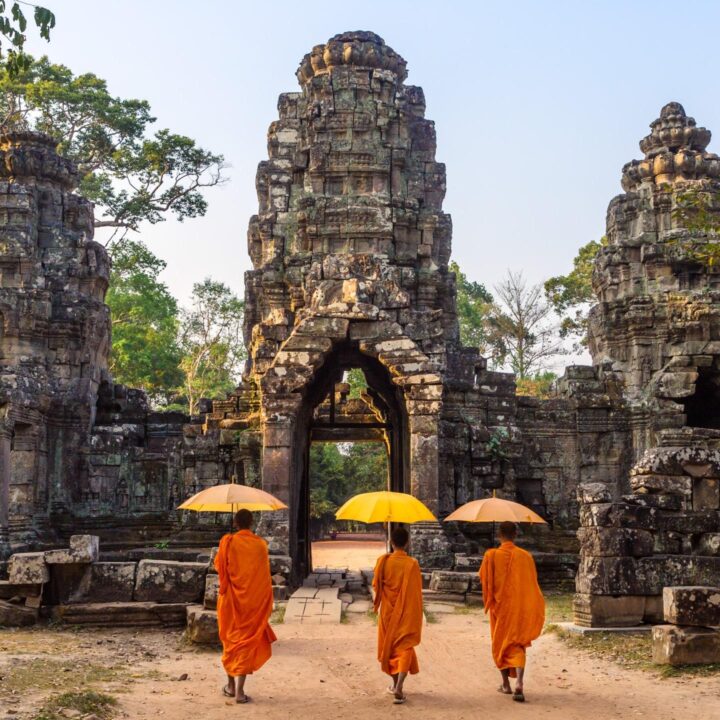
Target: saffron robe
{"points": [[515, 603], [245, 602], [398, 596]]}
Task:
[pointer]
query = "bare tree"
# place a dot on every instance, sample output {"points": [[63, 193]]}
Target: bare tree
{"points": [[522, 333]]}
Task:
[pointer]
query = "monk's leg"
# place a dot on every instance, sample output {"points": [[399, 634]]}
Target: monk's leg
{"points": [[240, 696], [505, 687], [394, 682], [399, 681], [519, 682], [229, 689]]}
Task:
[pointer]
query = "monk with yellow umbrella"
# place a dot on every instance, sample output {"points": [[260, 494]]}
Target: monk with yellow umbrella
{"points": [[511, 594], [245, 594], [397, 582]]}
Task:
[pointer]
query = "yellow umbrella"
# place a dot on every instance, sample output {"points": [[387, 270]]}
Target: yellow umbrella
{"points": [[385, 507], [494, 510], [232, 497]]}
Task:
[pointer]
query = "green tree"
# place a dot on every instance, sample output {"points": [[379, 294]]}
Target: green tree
{"points": [[211, 342], [520, 330], [132, 176], [698, 210], [474, 303], [570, 295], [540, 385], [145, 351], [13, 24]]}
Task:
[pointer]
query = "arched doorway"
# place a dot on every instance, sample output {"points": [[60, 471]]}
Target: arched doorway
{"points": [[323, 416]]}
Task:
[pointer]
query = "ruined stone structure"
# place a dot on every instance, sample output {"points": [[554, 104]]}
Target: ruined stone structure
{"points": [[54, 334], [655, 335], [350, 252]]}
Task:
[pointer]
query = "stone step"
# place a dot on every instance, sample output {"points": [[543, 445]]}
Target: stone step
{"points": [[314, 606], [132, 614]]}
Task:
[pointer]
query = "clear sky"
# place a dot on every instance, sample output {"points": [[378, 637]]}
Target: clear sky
{"points": [[537, 105]]}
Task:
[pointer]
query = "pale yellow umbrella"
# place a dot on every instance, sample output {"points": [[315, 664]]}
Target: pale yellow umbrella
{"points": [[492, 510], [232, 497]]}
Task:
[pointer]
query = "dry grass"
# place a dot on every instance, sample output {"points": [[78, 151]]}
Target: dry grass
{"points": [[87, 702], [632, 651]]}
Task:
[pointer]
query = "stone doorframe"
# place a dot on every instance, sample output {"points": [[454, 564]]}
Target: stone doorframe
{"points": [[286, 383]]}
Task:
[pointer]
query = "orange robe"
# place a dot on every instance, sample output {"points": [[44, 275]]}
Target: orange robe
{"points": [[398, 594], [515, 603], [245, 602]]}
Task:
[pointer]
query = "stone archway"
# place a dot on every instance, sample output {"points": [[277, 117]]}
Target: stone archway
{"points": [[302, 375]]}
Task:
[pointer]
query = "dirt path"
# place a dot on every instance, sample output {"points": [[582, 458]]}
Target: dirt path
{"points": [[351, 554], [322, 671]]}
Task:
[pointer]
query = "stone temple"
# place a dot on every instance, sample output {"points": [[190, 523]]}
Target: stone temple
{"points": [[350, 251]]}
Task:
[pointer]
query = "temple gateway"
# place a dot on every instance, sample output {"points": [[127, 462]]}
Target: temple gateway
{"points": [[350, 251]]}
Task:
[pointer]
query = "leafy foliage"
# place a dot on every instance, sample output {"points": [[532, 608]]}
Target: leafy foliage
{"points": [[13, 25], [337, 472], [474, 304], [130, 175], [538, 386], [211, 342], [521, 333], [699, 212], [145, 351], [570, 295]]}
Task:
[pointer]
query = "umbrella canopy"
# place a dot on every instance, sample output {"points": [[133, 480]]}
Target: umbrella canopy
{"points": [[494, 510], [384, 507], [232, 497]]}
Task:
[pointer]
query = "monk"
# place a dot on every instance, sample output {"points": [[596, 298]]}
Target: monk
{"points": [[515, 604], [245, 602], [398, 596]]}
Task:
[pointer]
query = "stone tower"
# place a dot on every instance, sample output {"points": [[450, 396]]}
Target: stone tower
{"points": [[657, 321], [54, 332]]}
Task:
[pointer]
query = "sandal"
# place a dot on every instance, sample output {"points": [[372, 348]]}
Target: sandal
{"points": [[227, 693], [505, 691], [518, 696], [399, 700], [245, 699]]}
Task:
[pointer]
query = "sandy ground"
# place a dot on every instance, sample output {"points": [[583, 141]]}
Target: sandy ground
{"points": [[328, 671], [351, 554]]}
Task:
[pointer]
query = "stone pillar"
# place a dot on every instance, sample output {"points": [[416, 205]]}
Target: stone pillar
{"points": [[424, 470], [4, 488]]}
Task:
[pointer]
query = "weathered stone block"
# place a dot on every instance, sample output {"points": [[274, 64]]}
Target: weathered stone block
{"points": [[85, 547], [670, 484], [653, 610], [615, 541], [675, 645], [448, 581], [106, 582], [594, 493], [169, 581], [9, 590], [280, 565], [202, 625], [16, 615], [709, 544], [693, 606], [212, 586], [608, 610], [706, 494], [28, 569]]}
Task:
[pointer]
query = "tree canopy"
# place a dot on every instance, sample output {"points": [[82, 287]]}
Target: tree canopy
{"points": [[145, 351], [474, 304], [570, 295], [132, 175], [13, 24]]}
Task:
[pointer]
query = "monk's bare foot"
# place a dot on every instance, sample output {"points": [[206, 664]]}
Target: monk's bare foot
{"points": [[518, 695], [505, 690], [242, 699], [228, 690]]}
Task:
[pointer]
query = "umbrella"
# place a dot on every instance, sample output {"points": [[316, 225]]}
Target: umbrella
{"points": [[494, 510], [385, 506], [231, 497]]}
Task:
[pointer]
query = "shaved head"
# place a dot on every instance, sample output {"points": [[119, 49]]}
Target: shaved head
{"points": [[508, 530]]}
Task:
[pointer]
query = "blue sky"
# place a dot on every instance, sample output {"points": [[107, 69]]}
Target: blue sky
{"points": [[537, 105]]}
